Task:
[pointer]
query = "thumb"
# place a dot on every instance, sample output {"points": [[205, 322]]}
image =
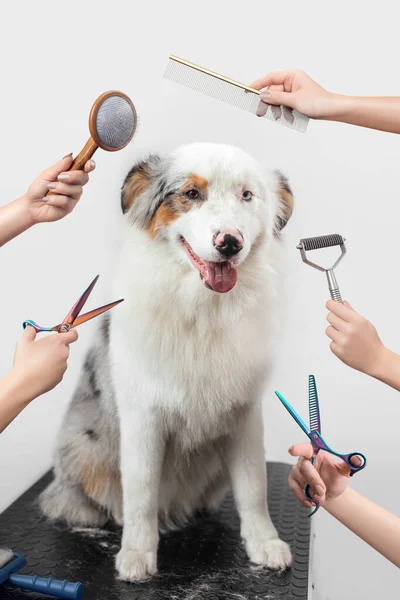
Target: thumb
{"points": [[278, 97], [29, 335], [52, 173], [304, 449]]}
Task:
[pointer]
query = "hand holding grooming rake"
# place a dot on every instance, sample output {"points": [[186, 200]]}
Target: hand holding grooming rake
{"points": [[324, 241], [230, 91]]}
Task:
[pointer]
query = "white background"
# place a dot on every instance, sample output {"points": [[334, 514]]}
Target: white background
{"points": [[58, 57]]}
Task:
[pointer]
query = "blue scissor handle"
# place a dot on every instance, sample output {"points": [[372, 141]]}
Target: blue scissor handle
{"points": [[35, 326], [354, 468]]}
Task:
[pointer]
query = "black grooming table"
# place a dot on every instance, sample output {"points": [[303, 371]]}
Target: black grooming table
{"points": [[204, 561]]}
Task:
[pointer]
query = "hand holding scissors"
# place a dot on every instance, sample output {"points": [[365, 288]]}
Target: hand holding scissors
{"points": [[73, 319], [317, 441]]}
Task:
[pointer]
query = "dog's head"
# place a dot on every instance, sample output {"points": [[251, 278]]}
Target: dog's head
{"points": [[211, 203]]}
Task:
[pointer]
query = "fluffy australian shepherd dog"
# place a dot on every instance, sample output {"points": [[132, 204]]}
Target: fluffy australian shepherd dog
{"points": [[167, 415]]}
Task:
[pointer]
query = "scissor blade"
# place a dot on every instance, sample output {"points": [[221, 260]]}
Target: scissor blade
{"points": [[76, 309], [294, 414], [95, 313], [313, 405]]}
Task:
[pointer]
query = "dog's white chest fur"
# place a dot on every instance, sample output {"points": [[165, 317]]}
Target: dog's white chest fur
{"points": [[195, 355]]}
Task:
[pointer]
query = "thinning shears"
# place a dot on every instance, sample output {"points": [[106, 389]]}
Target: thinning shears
{"points": [[73, 319], [314, 433]]}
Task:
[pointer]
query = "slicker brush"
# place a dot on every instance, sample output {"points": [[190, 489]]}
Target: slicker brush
{"points": [[112, 125], [324, 241]]}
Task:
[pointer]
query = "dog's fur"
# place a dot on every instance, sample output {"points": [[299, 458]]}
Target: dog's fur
{"points": [[167, 415]]}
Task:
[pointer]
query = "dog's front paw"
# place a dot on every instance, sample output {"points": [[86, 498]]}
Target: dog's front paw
{"points": [[272, 553], [136, 565]]}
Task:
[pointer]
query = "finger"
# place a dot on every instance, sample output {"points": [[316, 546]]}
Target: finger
{"points": [[74, 177], [356, 461], [337, 322], [344, 468], [89, 166], [314, 479], [336, 349], [304, 449], [51, 173], [28, 335], [69, 337], [65, 189], [297, 475], [335, 335], [342, 311], [347, 304], [262, 109], [298, 491], [278, 98], [277, 78], [64, 202]]}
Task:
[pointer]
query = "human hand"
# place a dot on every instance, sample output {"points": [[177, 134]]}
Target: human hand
{"points": [[297, 90], [65, 189], [39, 365], [328, 478], [355, 340]]}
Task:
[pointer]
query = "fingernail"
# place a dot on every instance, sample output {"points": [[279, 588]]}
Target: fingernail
{"points": [[63, 177], [320, 490], [290, 449], [265, 95], [51, 186], [308, 504], [67, 155], [276, 112], [92, 164], [45, 199]]}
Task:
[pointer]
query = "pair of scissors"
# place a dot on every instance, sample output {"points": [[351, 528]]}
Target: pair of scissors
{"points": [[314, 434], [73, 319]]}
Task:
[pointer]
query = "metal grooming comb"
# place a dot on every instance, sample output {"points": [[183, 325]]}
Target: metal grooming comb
{"points": [[313, 405], [230, 91], [324, 241]]}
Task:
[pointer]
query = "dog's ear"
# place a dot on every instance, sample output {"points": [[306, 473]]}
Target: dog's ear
{"points": [[137, 181], [286, 201]]}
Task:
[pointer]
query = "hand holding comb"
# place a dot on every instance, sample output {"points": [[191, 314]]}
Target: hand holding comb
{"points": [[230, 91]]}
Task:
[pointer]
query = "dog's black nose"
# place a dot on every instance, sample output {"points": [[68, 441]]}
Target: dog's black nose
{"points": [[227, 244]]}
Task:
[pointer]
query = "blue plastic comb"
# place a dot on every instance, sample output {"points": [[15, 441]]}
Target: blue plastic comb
{"points": [[11, 562]]}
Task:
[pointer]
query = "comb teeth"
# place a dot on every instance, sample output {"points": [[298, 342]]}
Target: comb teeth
{"points": [[323, 241], [313, 407]]}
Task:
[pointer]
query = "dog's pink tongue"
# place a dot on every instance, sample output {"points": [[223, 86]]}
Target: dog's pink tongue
{"points": [[221, 277]]}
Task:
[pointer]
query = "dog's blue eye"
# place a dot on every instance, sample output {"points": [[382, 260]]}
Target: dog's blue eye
{"points": [[192, 194], [247, 196]]}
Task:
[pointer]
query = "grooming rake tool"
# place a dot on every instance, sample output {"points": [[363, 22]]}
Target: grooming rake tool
{"points": [[112, 125], [12, 562], [230, 91], [324, 241]]}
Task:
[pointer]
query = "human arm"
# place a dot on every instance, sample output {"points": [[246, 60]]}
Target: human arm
{"points": [[329, 480], [65, 189], [295, 89], [356, 342]]}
